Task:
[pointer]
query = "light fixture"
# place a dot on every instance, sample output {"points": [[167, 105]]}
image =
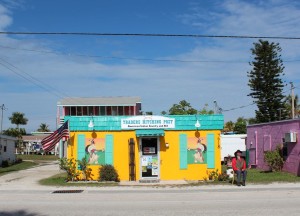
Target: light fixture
{"points": [[197, 125], [91, 124], [167, 145]]}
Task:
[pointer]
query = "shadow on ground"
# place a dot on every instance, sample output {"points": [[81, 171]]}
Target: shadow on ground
{"points": [[19, 213]]}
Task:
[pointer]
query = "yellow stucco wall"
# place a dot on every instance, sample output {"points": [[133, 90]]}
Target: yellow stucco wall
{"points": [[170, 169], [169, 156]]}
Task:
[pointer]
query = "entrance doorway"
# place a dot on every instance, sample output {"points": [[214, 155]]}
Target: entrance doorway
{"points": [[149, 157]]}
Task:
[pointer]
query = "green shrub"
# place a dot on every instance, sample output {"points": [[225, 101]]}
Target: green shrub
{"points": [[108, 173], [69, 165], [213, 175], [223, 176], [274, 159], [86, 171], [18, 160], [5, 163]]}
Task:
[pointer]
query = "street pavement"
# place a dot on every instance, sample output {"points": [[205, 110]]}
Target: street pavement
{"points": [[20, 194]]}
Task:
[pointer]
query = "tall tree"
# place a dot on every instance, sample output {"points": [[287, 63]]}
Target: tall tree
{"points": [[240, 127], [164, 112], [228, 126], [43, 128], [206, 111], [183, 108], [18, 118], [265, 81], [15, 132], [251, 121]]}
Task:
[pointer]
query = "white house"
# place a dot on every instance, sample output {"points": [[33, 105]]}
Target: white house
{"points": [[231, 143], [7, 149]]}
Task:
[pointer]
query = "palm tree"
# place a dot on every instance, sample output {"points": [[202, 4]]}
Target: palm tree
{"points": [[183, 108], [43, 128], [18, 118], [228, 126]]}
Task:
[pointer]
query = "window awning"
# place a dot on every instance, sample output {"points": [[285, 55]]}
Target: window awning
{"points": [[150, 132]]}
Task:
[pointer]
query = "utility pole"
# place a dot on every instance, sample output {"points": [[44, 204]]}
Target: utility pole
{"points": [[217, 109], [293, 98], [2, 107], [280, 113]]}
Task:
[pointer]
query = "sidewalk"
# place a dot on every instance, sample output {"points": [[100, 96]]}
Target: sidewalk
{"points": [[185, 184], [29, 180]]}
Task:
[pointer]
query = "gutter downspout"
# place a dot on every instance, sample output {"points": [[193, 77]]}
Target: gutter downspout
{"points": [[256, 161]]}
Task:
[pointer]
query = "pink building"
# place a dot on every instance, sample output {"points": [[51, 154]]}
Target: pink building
{"points": [[266, 136]]}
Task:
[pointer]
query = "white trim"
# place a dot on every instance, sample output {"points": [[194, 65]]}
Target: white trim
{"points": [[158, 158]]}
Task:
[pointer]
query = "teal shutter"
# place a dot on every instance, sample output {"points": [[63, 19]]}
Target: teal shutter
{"points": [[183, 151], [210, 151], [80, 147], [109, 144]]}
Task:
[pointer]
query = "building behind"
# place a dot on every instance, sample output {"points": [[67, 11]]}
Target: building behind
{"points": [[232, 142], [7, 149], [267, 136]]}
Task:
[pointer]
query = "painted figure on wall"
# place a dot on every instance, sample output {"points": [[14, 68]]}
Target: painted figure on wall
{"points": [[198, 156], [196, 150], [94, 151]]}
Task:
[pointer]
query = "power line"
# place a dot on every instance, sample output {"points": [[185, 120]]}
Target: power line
{"points": [[35, 81], [129, 58], [240, 107], [123, 58], [31, 79], [150, 35]]}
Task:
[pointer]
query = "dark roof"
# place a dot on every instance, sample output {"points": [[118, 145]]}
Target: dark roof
{"points": [[99, 101]]}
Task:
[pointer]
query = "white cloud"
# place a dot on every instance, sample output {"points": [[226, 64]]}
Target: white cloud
{"points": [[159, 84], [5, 19]]}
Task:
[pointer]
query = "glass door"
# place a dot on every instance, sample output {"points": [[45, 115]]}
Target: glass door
{"points": [[149, 158]]}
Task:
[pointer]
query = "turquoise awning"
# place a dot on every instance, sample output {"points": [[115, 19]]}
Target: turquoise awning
{"points": [[150, 132]]}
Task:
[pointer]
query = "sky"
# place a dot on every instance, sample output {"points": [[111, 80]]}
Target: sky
{"points": [[36, 71]]}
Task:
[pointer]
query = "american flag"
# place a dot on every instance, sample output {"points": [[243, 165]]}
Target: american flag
{"points": [[50, 141]]}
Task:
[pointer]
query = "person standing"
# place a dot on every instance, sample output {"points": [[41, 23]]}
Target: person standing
{"points": [[239, 167]]}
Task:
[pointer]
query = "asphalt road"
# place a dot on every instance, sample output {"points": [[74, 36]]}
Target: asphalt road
{"points": [[30, 199]]}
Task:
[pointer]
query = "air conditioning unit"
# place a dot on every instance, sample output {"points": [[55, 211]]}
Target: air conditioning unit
{"points": [[290, 137]]}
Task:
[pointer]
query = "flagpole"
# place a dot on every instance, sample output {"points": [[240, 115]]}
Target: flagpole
{"points": [[67, 141]]}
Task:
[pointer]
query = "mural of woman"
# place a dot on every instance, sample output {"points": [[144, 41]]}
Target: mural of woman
{"points": [[198, 156], [92, 152]]}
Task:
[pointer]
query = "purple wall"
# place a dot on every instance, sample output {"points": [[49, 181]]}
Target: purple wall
{"points": [[264, 137]]}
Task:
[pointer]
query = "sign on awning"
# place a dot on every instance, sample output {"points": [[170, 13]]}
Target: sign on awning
{"points": [[140, 133]]}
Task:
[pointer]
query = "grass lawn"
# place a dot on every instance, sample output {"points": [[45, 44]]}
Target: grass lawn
{"points": [[35, 157], [255, 176], [259, 176], [16, 167], [59, 180]]}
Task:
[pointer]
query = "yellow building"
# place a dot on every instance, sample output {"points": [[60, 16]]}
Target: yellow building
{"points": [[148, 148]]}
